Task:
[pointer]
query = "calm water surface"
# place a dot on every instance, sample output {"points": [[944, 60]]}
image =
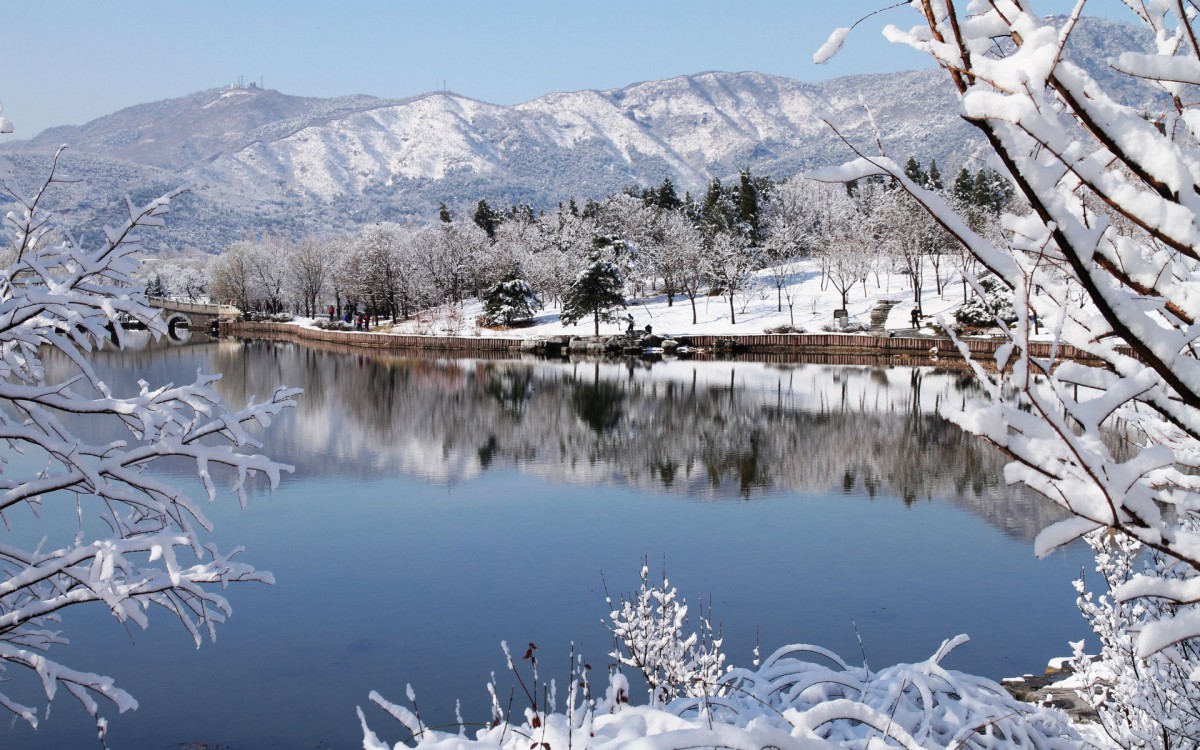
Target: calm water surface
{"points": [[441, 506]]}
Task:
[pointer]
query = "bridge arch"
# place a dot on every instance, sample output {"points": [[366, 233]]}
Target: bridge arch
{"points": [[177, 324], [181, 317]]}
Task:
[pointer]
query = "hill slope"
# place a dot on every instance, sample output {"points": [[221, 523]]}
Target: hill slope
{"points": [[258, 160]]}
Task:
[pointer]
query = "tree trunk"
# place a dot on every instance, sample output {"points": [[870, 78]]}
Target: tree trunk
{"points": [[732, 316]]}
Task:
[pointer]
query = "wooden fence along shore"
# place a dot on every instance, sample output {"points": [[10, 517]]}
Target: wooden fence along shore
{"points": [[836, 345], [883, 346]]}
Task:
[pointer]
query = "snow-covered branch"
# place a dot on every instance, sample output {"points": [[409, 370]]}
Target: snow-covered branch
{"points": [[1106, 256], [59, 300]]}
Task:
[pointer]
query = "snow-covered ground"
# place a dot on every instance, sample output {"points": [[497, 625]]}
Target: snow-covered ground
{"points": [[757, 311]]}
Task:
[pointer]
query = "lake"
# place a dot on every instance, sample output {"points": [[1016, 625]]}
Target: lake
{"points": [[440, 506]]}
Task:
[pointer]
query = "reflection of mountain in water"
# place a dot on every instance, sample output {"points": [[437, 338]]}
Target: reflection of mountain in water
{"points": [[702, 429]]}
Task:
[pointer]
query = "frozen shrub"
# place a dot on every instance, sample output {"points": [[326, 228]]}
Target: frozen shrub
{"points": [[1149, 701], [996, 303], [651, 631]]}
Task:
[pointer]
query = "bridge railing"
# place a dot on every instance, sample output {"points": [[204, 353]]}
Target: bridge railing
{"points": [[195, 308]]}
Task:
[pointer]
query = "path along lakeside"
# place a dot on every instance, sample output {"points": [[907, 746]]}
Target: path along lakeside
{"points": [[854, 348]]}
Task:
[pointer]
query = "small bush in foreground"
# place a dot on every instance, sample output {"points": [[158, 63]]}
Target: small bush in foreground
{"points": [[800, 698]]}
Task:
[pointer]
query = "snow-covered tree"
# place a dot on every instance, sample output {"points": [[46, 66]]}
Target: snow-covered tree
{"points": [[186, 279], [979, 201], [308, 268], [375, 271], [1117, 283], [515, 243], [269, 270], [692, 268], [510, 299], [993, 307], [133, 541], [791, 225], [632, 221], [850, 234], [731, 262], [915, 240], [650, 628], [453, 258], [182, 275], [1150, 701], [337, 248], [674, 249], [596, 292], [252, 273], [560, 254], [231, 276]]}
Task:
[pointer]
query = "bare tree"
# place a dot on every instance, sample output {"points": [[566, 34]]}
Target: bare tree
{"points": [[674, 250], [231, 276], [792, 225], [376, 271], [308, 267], [731, 262], [560, 255], [849, 233]]}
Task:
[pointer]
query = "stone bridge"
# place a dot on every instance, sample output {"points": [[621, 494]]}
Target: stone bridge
{"points": [[192, 314]]}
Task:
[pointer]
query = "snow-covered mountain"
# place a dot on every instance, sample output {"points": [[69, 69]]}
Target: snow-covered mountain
{"points": [[261, 161]]}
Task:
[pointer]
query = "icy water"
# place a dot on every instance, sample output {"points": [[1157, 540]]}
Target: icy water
{"points": [[439, 507]]}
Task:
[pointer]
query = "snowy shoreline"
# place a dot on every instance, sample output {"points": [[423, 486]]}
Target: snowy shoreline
{"points": [[906, 348]]}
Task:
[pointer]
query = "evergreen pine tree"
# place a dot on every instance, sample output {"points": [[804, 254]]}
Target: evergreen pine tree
{"points": [[964, 188], [934, 178], [444, 214], [714, 211], [913, 171], [668, 199], [522, 212], [510, 300], [992, 191], [596, 291], [486, 219], [747, 206], [156, 288]]}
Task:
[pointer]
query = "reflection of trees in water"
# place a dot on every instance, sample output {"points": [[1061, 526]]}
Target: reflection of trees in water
{"points": [[598, 403], [677, 427]]}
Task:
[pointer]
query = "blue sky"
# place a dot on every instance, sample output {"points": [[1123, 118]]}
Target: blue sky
{"points": [[69, 61]]}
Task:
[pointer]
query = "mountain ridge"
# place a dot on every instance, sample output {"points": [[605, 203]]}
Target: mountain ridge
{"points": [[261, 161]]}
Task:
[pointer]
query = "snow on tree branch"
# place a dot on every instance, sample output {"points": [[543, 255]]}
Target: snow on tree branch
{"points": [[1105, 256], [60, 300]]}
